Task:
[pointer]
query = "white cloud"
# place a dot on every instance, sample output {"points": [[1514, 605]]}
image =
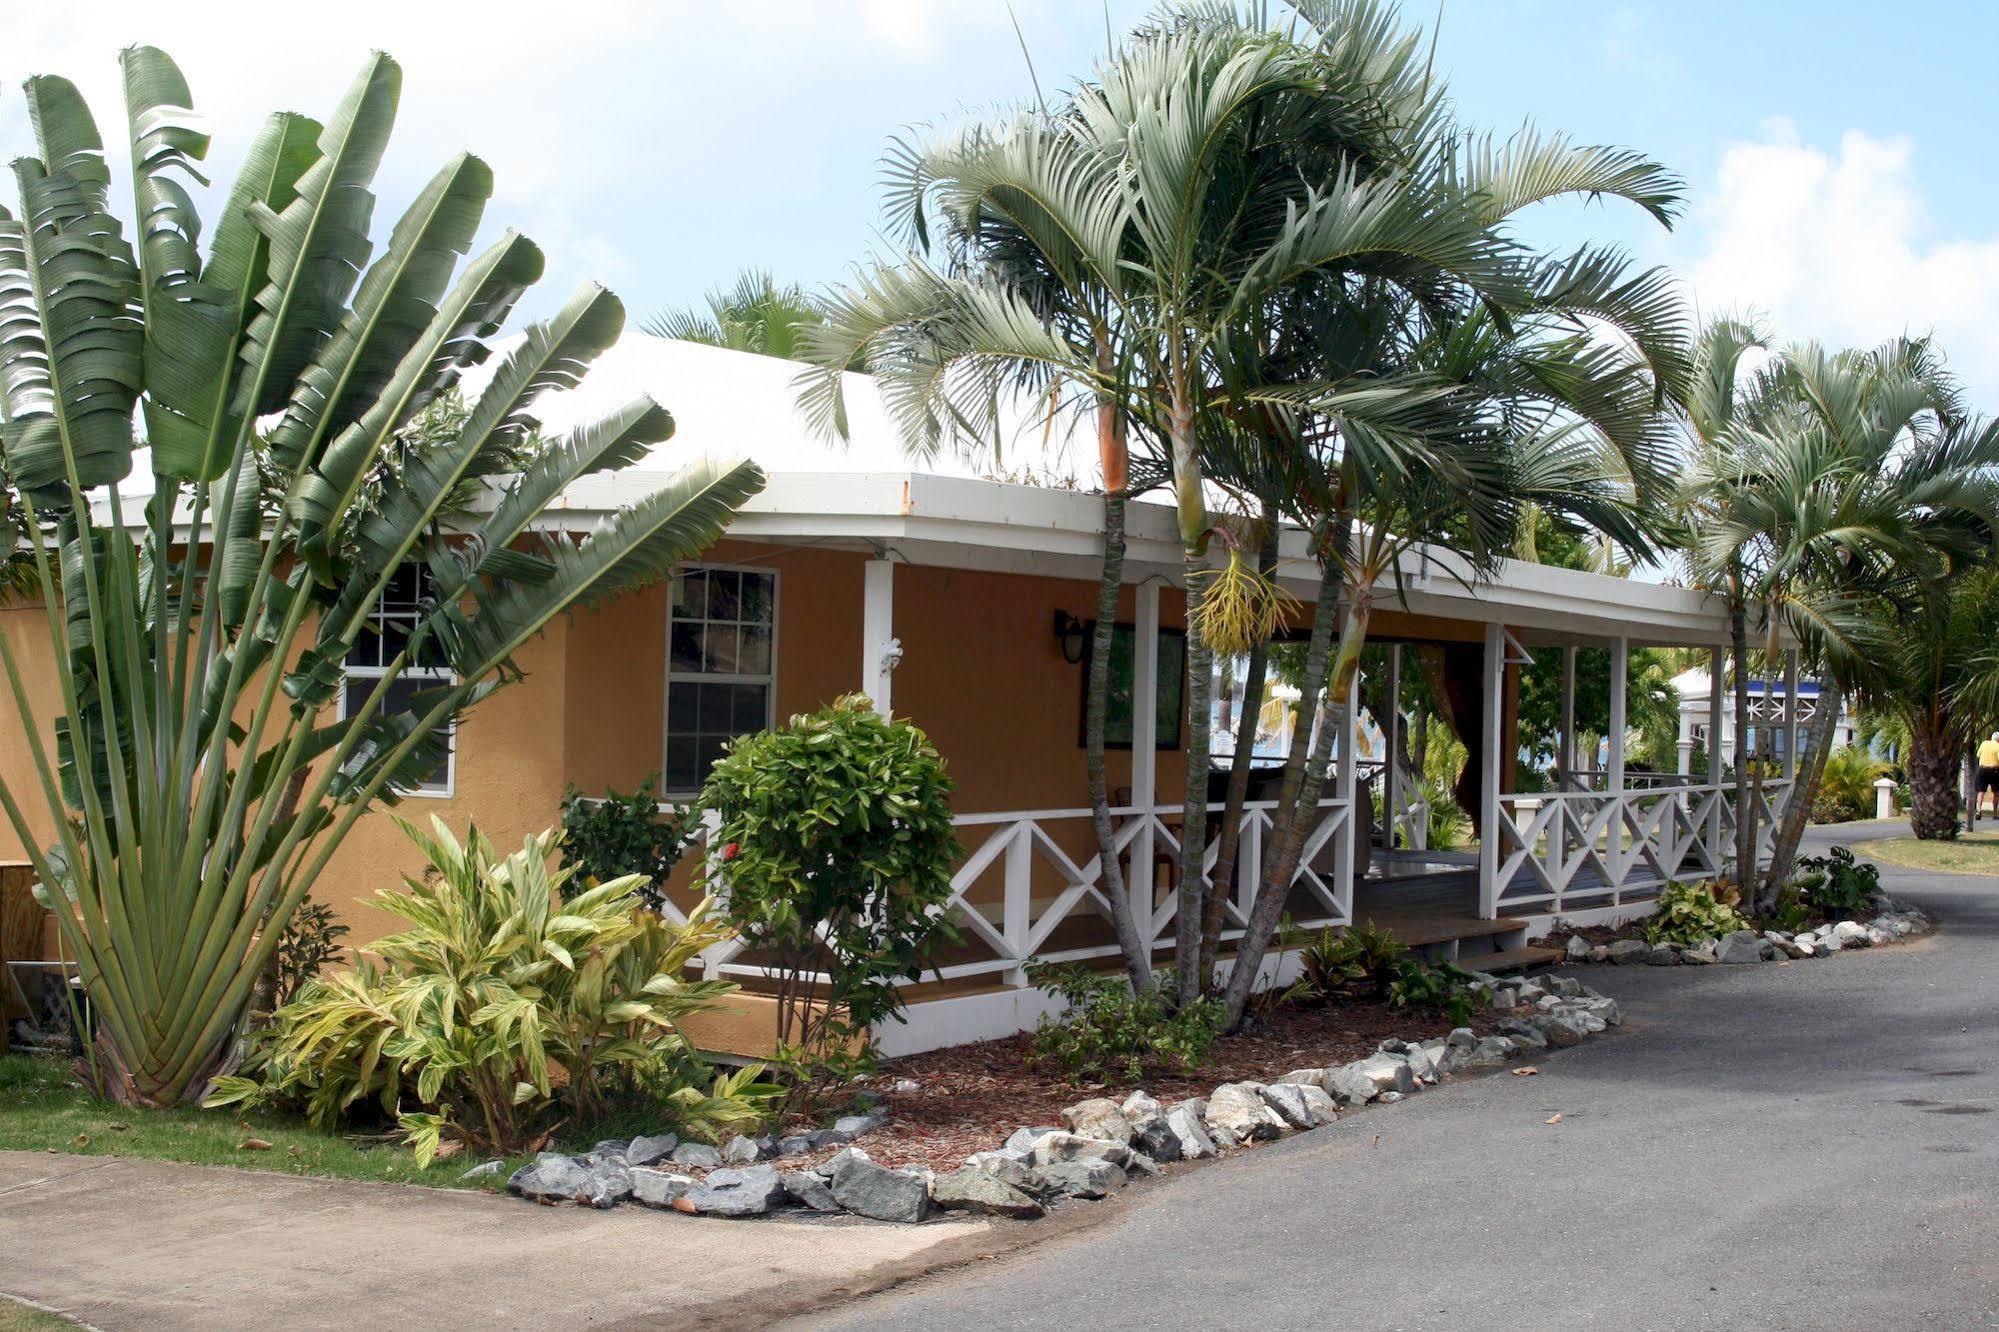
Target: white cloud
{"points": [[1840, 246]]}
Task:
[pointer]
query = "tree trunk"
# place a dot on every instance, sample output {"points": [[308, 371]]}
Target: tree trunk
{"points": [[1222, 884], [1745, 804], [1806, 789], [1193, 894], [1136, 945], [1933, 761], [1299, 799]]}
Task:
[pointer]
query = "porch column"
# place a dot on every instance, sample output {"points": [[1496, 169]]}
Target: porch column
{"points": [[1144, 749], [1391, 768], [1716, 754], [1343, 860], [1493, 688], [879, 649], [1565, 760], [1613, 781], [1790, 714]]}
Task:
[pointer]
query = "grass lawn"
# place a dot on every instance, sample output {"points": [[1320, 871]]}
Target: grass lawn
{"points": [[42, 1109], [15, 1317], [1972, 853]]}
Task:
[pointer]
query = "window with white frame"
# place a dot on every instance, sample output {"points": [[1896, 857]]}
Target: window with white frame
{"points": [[408, 597], [721, 666]]}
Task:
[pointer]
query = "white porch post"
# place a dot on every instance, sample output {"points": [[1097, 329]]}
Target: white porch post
{"points": [[1565, 761], [879, 649], [1343, 840], [1717, 850], [1620, 674], [1790, 714], [1494, 694], [1144, 752], [1391, 768]]}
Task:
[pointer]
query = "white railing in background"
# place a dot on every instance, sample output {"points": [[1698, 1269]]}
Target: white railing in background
{"points": [[1041, 885], [1596, 845]]}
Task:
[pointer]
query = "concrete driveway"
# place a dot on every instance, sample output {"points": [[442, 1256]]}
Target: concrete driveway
{"points": [[143, 1244], [1807, 1146]]}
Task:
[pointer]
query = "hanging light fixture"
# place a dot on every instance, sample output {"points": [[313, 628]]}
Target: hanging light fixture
{"points": [[1069, 632]]}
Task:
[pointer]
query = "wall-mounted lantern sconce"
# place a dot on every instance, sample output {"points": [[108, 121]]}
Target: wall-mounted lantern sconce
{"points": [[1069, 632]]}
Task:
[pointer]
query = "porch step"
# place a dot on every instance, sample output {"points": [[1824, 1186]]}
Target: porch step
{"points": [[1512, 959]]}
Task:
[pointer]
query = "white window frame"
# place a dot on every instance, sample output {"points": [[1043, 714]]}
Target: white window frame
{"points": [[449, 788], [767, 679]]}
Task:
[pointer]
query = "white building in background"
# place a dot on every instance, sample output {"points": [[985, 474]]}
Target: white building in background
{"points": [[1766, 709]]}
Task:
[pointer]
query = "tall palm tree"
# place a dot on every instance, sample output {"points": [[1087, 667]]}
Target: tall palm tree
{"points": [[199, 782], [758, 314]]}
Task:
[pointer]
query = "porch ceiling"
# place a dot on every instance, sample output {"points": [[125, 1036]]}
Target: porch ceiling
{"points": [[965, 523]]}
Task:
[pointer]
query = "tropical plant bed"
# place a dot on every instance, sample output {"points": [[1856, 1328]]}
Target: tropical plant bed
{"points": [[981, 1130]]}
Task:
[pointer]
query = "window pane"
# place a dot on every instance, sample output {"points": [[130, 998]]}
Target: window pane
{"points": [[395, 636], [757, 599], [367, 649], [690, 595], [750, 713], [681, 699], [687, 646], [716, 713], [723, 598], [710, 751], [753, 655], [682, 771], [721, 649]]}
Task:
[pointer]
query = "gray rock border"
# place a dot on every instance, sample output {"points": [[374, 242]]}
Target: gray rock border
{"points": [[1893, 922]]}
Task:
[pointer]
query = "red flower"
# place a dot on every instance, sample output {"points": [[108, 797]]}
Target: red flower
{"points": [[732, 850]]}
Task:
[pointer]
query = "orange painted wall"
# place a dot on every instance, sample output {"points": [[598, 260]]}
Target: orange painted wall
{"points": [[26, 629]]}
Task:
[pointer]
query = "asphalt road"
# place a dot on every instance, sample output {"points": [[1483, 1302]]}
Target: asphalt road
{"points": [[1809, 1145]]}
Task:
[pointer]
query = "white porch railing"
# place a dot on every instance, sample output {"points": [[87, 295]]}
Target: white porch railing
{"points": [[1017, 884], [1561, 848]]}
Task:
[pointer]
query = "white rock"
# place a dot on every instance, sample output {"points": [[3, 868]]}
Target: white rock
{"points": [[1237, 1114], [1185, 1122]]}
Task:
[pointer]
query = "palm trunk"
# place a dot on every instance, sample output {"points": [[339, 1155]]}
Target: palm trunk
{"points": [[1134, 944], [1933, 764], [1745, 805], [1190, 500], [1304, 776], [1222, 885], [1805, 790]]}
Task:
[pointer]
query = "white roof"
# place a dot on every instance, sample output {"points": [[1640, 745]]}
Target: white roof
{"points": [[730, 404]]}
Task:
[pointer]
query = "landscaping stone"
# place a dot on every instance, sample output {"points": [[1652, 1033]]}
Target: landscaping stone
{"points": [[485, 1170], [658, 1188], [1059, 1146], [1600, 953], [1421, 1062], [1080, 1179], [1022, 1177], [1098, 1117], [751, 1191], [1625, 951], [855, 1125], [1319, 1103], [973, 1190], [1149, 1131], [1350, 1086], [1023, 1140], [1565, 1029], [696, 1154], [1489, 1052], [1505, 1000], [610, 1181], [1523, 1033], [647, 1150], [611, 1147], [1185, 1123], [809, 1191], [1303, 1077], [1665, 955], [1463, 1038], [1288, 1101], [1386, 1072], [792, 1144], [824, 1138], [1390, 1097], [1700, 956], [739, 1151], [1850, 933], [828, 1168], [551, 1178], [1578, 948], [866, 1189], [1237, 1114], [1739, 947]]}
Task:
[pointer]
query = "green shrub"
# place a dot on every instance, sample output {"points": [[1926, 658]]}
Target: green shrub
{"points": [[835, 847], [1846, 790], [1109, 1031], [506, 1008], [1689, 913], [615, 835], [1344, 961], [1441, 988], [1837, 885], [310, 941], [1449, 829]]}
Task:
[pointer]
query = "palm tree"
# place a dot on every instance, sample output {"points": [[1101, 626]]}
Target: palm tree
{"points": [[199, 785], [758, 315]]}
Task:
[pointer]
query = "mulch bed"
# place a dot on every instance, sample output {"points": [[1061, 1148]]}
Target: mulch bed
{"points": [[970, 1097]]}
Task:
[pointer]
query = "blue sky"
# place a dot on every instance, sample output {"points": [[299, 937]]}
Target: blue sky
{"points": [[1837, 154]]}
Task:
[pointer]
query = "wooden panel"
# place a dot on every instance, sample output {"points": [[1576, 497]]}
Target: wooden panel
{"points": [[21, 917]]}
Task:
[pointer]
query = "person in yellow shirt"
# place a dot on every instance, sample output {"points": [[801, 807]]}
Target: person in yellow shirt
{"points": [[1988, 774]]}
